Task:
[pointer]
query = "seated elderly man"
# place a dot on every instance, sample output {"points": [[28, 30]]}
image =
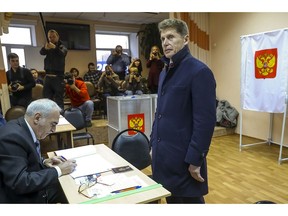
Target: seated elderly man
{"points": [[77, 91], [24, 176]]}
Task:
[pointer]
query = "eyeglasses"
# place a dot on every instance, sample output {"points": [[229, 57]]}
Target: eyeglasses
{"points": [[91, 181]]}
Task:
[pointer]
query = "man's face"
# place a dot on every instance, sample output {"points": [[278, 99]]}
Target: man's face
{"points": [[92, 68], [45, 126], [119, 49], [53, 38], [14, 62], [172, 42]]}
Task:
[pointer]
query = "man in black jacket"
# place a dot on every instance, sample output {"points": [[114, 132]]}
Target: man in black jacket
{"points": [[54, 66], [20, 82]]}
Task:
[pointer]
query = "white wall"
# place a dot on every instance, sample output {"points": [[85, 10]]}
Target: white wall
{"points": [[225, 31]]}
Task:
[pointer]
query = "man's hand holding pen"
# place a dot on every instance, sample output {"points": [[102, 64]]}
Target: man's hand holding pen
{"points": [[66, 166]]}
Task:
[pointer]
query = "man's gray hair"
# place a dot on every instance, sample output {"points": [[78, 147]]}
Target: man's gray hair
{"points": [[179, 25], [44, 106]]}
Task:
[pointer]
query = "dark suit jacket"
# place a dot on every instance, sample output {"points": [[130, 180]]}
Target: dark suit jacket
{"points": [[23, 177], [184, 124]]}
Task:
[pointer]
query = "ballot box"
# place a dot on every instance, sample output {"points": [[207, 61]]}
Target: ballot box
{"points": [[129, 112], [154, 105]]}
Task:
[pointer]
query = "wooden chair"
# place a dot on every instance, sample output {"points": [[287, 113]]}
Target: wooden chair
{"points": [[14, 113], [37, 92]]}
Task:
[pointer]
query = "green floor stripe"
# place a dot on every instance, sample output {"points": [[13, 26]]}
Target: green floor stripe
{"points": [[122, 194]]}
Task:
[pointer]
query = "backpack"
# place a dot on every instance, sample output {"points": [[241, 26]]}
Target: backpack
{"points": [[226, 114]]}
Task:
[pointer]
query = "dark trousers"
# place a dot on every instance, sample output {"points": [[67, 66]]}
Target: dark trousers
{"points": [[54, 88], [185, 200], [20, 101], [55, 194]]}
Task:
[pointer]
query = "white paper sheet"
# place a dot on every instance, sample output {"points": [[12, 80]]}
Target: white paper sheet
{"points": [[77, 152], [114, 182], [90, 164], [63, 121]]}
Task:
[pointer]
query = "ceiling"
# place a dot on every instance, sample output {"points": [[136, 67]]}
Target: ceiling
{"points": [[122, 17]]}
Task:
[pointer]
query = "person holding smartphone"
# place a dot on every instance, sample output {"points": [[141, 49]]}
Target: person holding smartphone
{"points": [[119, 62], [156, 65]]}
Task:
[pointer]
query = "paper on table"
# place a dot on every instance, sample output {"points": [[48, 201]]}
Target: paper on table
{"points": [[90, 164], [87, 160], [77, 152], [116, 182], [63, 121]]}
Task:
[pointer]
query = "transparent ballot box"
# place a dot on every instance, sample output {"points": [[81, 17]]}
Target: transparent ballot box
{"points": [[129, 112], [154, 105]]}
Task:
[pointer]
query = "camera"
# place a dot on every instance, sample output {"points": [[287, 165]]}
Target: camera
{"points": [[14, 86], [136, 74], [69, 78], [108, 73]]}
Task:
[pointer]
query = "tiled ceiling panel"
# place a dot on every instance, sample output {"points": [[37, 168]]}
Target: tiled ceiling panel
{"points": [[121, 17]]}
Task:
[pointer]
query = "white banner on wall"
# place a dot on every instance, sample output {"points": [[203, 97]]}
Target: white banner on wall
{"points": [[264, 70]]}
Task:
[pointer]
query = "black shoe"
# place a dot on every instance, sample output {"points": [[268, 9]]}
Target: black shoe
{"points": [[88, 124]]}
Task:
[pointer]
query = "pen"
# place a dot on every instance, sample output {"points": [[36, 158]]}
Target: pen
{"points": [[126, 189], [63, 158]]}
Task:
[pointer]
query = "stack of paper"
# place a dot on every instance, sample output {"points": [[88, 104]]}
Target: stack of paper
{"points": [[87, 160]]}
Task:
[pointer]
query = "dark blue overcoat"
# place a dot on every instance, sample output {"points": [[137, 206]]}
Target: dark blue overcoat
{"points": [[184, 124]]}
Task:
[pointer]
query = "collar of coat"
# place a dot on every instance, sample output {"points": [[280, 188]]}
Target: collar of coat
{"points": [[177, 58]]}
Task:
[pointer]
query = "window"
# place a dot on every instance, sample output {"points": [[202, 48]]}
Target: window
{"points": [[17, 35], [18, 38], [105, 43]]}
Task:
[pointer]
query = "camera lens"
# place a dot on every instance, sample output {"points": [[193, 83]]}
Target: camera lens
{"points": [[14, 86], [70, 81]]}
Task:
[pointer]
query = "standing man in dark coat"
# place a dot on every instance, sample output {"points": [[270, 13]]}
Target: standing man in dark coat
{"points": [[185, 118], [54, 66], [24, 176]]}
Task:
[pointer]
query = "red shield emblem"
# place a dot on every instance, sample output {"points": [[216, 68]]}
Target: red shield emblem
{"points": [[136, 121], [265, 63]]}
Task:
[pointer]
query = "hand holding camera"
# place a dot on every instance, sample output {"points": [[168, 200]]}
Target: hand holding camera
{"points": [[108, 73], [50, 45], [15, 86], [68, 78], [154, 55], [114, 53]]}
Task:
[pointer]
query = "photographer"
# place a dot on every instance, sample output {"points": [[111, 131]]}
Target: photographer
{"points": [[156, 65], [109, 84], [54, 66], [20, 82], [136, 62], [133, 82], [119, 62], [77, 91]]}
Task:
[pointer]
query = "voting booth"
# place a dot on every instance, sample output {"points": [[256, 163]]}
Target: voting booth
{"points": [[124, 112]]}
